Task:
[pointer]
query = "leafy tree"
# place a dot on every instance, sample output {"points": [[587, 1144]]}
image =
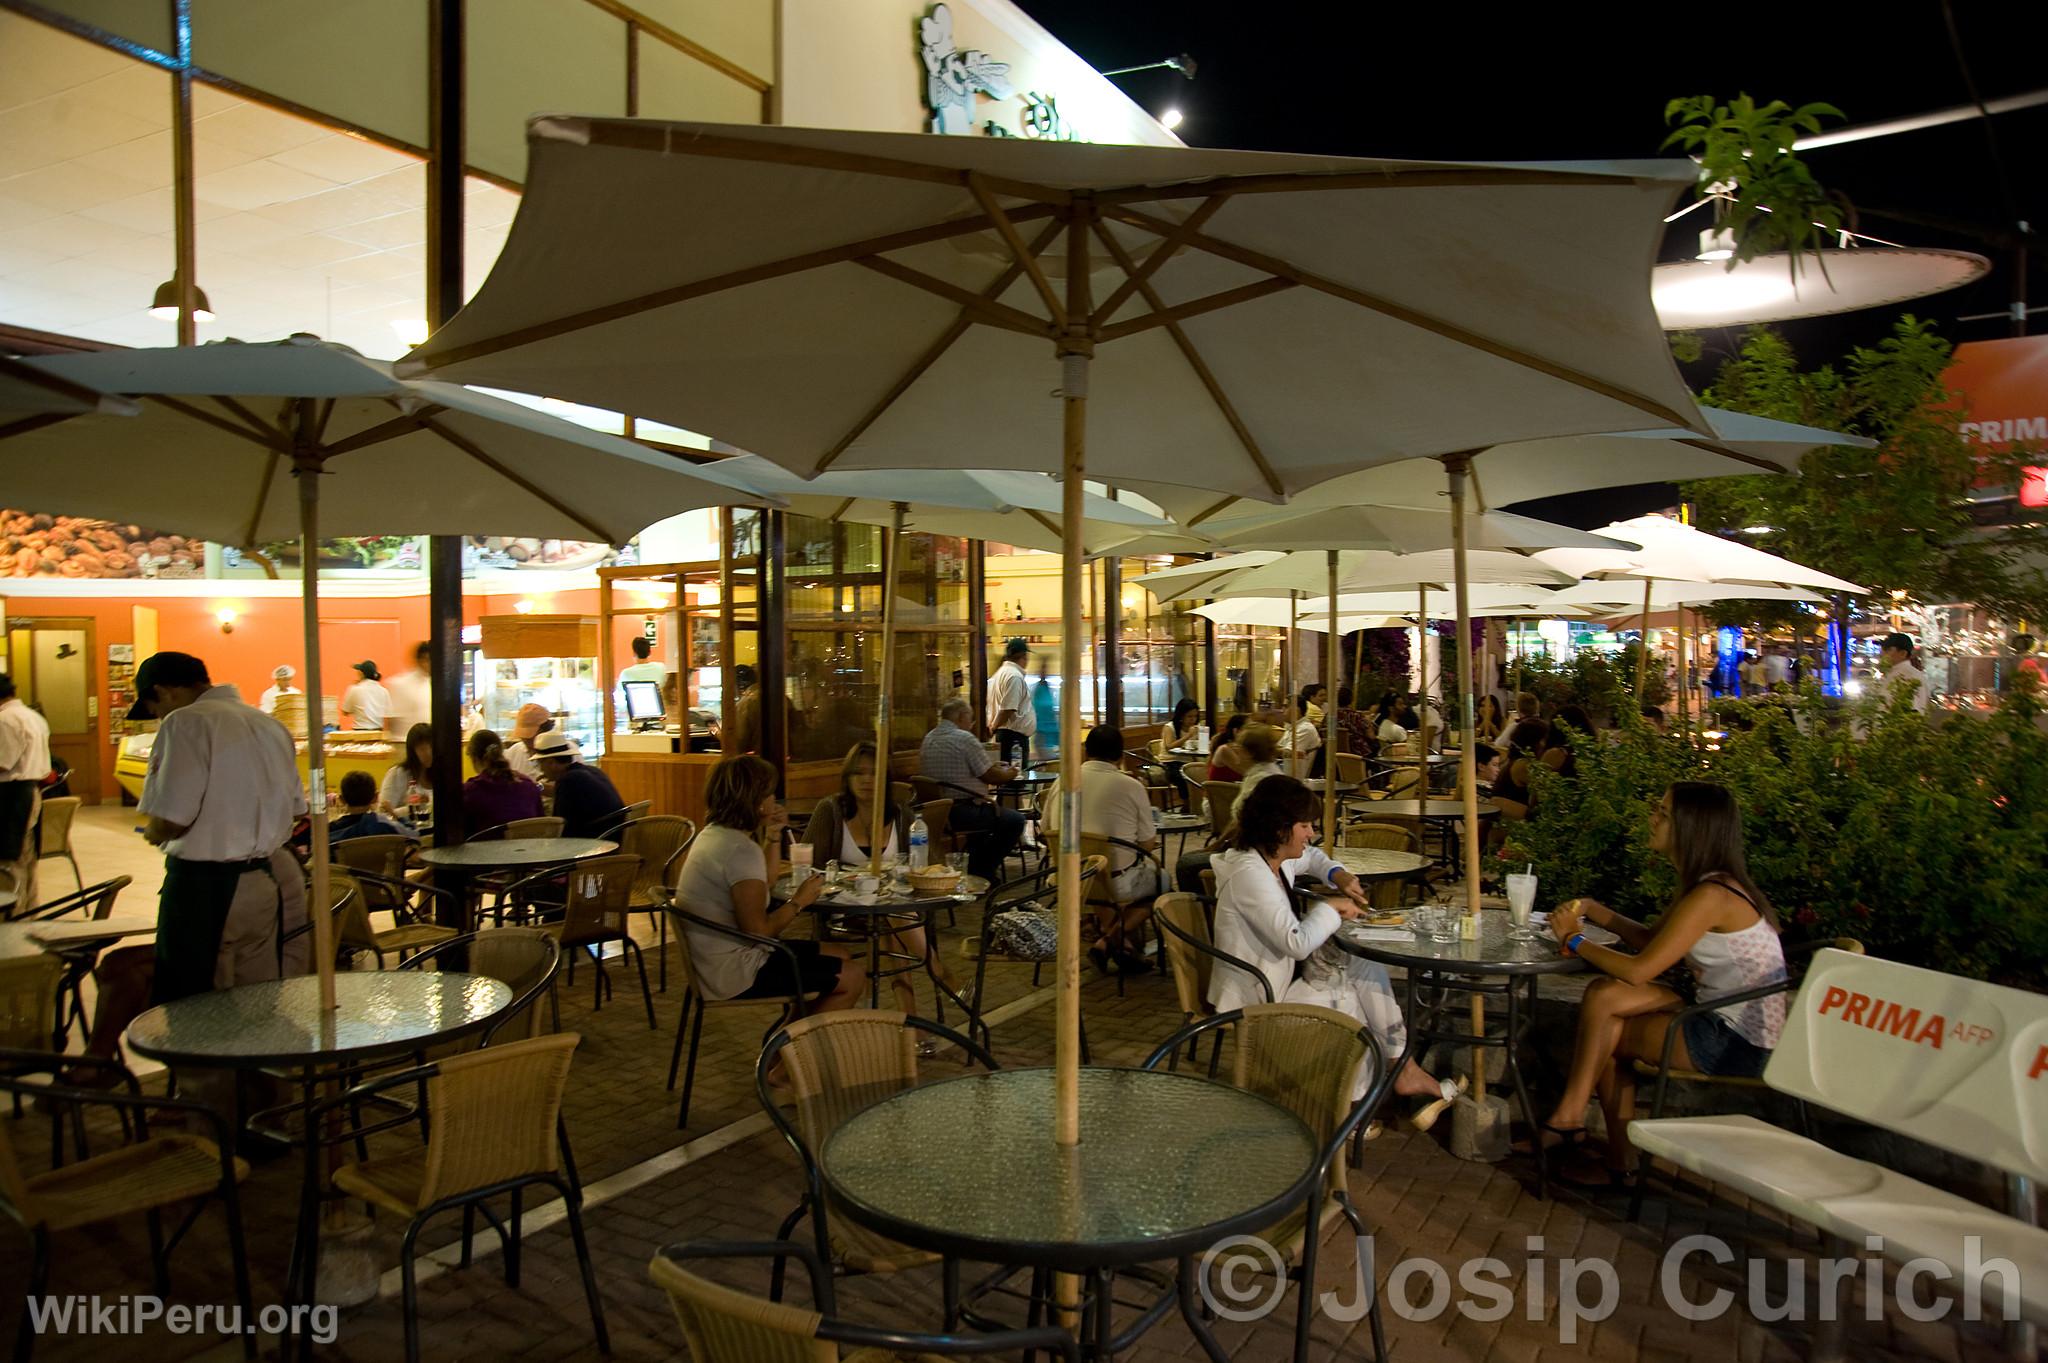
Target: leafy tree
{"points": [[1894, 518], [1763, 193]]}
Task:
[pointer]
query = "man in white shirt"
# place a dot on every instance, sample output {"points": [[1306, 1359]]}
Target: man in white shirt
{"points": [[412, 693], [24, 762], [1114, 805], [1777, 668], [1011, 721], [1895, 655], [280, 685], [644, 669], [221, 796]]}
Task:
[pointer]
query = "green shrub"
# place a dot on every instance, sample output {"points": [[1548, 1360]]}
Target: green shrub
{"points": [[1928, 844]]}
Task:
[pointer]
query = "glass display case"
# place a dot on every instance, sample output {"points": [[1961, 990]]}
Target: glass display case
{"points": [[566, 686]]}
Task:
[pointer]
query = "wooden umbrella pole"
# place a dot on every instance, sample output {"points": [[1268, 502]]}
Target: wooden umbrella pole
{"points": [[1357, 662], [1422, 686], [1076, 349], [306, 468], [891, 547], [1287, 679], [1684, 671], [1330, 646], [1643, 658], [1456, 467]]}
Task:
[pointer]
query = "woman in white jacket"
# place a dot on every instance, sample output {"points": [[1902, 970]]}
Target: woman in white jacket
{"points": [[1256, 922]]}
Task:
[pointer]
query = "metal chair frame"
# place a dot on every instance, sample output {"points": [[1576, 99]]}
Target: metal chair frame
{"points": [[694, 1003]]}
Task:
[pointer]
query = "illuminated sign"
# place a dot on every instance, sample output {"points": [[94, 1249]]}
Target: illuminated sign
{"points": [[957, 80]]}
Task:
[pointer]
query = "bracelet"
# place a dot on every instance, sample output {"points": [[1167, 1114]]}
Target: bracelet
{"points": [[1571, 943]]}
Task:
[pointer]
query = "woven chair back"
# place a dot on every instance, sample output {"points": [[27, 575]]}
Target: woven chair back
{"points": [[655, 840], [1304, 1058], [1222, 798], [519, 958], [840, 1062], [724, 1325], [599, 899], [1190, 964], [494, 1115], [53, 832]]}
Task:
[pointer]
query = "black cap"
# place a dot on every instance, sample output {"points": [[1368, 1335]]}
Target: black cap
{"points": [[164, 669], [1897, 641]]}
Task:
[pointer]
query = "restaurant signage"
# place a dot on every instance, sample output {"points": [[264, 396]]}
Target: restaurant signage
{"points": [[2004, 386], [957, 81]]}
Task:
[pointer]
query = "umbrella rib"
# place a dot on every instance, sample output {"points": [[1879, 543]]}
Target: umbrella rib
{"points": [[405, 424], [35, 423], [1198, 364], [1391, 178], [1207, 512], [1043, 519], [49, 383], [985, 310], [1161, 253], [702, 288], [262, 496], [237, 409], [470, 448], [639, 135], [270, 440], [932, 354], [842, 508], [1019, 252], [1195, 307], [1258, 260]]}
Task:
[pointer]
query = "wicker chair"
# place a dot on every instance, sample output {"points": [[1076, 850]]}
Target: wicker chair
{"points": [[696, 1003], [1306, 1059], [53, 833], [1039, 886], [494, 882], [1221, 798], [1114, 922], [408, 933], [496, 1129], [1189, 946], [98, 902], [1664, 1071], [597, 895], [639, 809], [381, 853], [661, 841], [724, 1325], [146, 1175], [838, 1064], [1383, 837]]}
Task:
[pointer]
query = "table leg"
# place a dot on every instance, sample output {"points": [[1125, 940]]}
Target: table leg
{"points": [[1191, 1313], [1098, 1288], [1509, 1057]]}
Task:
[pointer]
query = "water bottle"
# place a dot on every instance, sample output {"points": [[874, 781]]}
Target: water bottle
{"points": [[920, 844]]}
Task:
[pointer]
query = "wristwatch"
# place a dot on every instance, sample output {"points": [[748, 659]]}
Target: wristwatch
{"points": [[1573, 942]]}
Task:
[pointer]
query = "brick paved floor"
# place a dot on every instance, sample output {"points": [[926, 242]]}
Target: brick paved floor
{"points": [[730, 1176]]}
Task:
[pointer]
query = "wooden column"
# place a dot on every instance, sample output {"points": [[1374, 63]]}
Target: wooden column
{"points": [[446, 168], [892, 548]]}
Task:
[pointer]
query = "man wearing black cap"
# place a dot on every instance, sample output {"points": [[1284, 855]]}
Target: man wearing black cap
{"points": [[1895, 655], [221, 797]]}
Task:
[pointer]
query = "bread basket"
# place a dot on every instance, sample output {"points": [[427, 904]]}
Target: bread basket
{"points": [[934, 879]]}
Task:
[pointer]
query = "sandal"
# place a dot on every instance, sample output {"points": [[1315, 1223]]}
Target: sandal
{"points": [[1449, 1091], [1569, 1138]]}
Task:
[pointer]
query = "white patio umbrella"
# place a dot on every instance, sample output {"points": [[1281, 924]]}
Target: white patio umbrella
{"points": [[1259, 322], [226, 430], [28, 395], [1675, 552], [1008, 506]]}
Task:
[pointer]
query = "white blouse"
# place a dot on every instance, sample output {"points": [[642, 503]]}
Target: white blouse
{"points": [[1256, 922]]}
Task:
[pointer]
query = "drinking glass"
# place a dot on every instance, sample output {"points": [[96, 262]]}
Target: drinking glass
{"points": [[957, 861], [800, 861], [1445, 927], [1521, 901]]}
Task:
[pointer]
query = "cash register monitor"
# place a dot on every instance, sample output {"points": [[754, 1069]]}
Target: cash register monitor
{"points": [[643, 702]]}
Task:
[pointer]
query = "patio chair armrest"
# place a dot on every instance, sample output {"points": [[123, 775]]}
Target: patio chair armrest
{"points": [[1179, 1040], [134, 1101], [821, 1281], [546, 873], [698, 920]]}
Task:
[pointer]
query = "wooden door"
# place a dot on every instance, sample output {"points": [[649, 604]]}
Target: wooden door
{"points": [[51, 660]]}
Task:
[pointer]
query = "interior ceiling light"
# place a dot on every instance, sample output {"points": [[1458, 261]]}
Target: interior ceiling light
{"points": [[165, 304]]}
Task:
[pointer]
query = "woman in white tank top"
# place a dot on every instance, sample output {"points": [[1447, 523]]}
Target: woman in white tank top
{"points": [[1721, 926]]}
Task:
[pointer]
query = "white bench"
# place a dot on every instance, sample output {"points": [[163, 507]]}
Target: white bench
{"points": [[1956, 1063]]}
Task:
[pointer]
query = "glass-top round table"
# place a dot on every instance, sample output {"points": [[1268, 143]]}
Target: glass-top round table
{"points": [[1168, 1165], [1371, 864], [504, 854], [281, 1022]]}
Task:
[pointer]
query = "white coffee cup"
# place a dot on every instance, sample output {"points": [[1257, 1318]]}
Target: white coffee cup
{"points": [[867, 887]]}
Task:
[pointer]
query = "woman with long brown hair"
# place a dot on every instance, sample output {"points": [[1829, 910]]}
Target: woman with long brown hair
{"points": [[1720, 925], [726, 878]]}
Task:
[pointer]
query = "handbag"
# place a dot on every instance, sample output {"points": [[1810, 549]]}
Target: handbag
{"points": [[1030, 932]]}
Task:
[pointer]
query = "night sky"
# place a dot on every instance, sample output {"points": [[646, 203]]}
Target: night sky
{"points": [[1498, 83]]}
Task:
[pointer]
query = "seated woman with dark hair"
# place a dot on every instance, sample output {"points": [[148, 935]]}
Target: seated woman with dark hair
{"points": [[1227, 761], [1725, 931], [726, 878], [1513, 774], [496, 794], [1256, 922]]}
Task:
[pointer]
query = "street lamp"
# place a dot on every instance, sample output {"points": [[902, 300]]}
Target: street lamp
{"points": [[1183, 64]]}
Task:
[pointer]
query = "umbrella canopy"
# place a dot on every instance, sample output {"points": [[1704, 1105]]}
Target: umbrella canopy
{"points": [[1306, 573], [892, 264], [1005, 506], [1593, 596], [244, 443], [1672, 551], [1384, 610], [211, 453], [865, 300], [29, 394], [1307, 523], [1527, 469]]}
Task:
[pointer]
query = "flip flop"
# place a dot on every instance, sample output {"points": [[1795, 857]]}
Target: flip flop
{"points": [[1449, 1091]]}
